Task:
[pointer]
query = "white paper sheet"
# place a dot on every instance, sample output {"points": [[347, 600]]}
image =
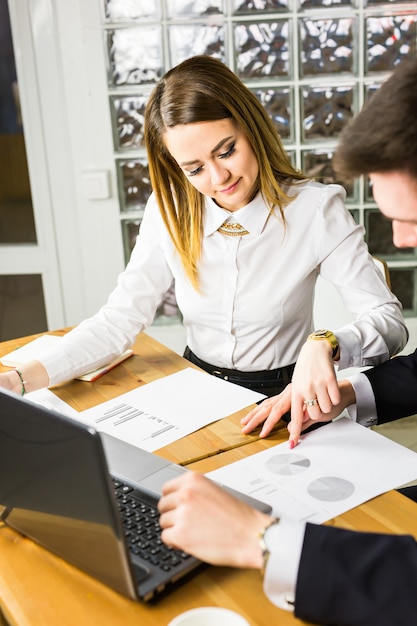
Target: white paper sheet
{"points": [[156, 414], [32, 350], [50, 401], [333, 469]]}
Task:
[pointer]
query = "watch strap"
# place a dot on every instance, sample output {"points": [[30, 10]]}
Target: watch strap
{"points": [[262, 543]]}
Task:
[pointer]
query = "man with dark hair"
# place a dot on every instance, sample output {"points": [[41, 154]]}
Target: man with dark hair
{"points": [[383, 138], [326, 574]]}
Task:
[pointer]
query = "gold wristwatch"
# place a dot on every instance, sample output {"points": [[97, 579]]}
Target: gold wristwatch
{"points": [[263, 544], [328, 336]]}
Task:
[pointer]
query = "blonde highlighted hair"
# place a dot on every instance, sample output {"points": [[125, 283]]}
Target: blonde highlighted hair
{"points": [[203, 89]]}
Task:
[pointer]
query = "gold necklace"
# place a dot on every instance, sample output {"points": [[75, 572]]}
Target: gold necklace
{"points": [[231, 229]]}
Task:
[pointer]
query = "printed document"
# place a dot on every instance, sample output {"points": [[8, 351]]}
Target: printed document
{"points": [[158, 413], [333, 469]]}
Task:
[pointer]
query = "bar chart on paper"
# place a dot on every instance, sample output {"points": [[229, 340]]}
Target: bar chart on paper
{"points": [[156, 414], [121, 413]]}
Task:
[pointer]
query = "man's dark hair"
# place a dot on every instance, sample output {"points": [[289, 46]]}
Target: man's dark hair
{"points": [[383, 136]]}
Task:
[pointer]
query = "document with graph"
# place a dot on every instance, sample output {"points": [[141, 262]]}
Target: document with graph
{"points": [[333, 469], [156, 414]]}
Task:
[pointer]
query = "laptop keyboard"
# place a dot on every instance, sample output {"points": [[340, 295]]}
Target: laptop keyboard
{"points": [[140, 521]]}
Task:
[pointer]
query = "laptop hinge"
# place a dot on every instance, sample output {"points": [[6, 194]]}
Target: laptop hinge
{"points": [[4, 513]]}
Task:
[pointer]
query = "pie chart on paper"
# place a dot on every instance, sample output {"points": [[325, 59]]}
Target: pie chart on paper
{"points": [[330, 489], [287, 464]]}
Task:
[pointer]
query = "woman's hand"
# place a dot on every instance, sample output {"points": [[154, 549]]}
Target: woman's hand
{"points": [[34, 376], [11, 381], [314, 389], [314, 379], [268, 413], [202, 519], [347, 397]]}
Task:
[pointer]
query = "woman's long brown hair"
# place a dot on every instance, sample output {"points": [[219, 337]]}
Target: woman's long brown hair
{"points": [[203, 89]]}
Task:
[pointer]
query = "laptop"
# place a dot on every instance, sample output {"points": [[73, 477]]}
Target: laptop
{"points": [[89, 498]]}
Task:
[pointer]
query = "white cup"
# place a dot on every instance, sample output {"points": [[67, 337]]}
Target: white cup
{"points": [[209, 616]]}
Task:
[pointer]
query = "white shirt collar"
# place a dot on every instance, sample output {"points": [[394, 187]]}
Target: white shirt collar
{"points": [[252, 217]]}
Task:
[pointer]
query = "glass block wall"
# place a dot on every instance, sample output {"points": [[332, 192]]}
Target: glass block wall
{"points": [[312, 64]]}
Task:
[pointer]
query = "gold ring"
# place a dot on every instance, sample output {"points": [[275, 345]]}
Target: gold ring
{"points": [[312, 402]]}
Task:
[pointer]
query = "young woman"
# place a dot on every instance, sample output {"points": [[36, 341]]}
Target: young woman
{"points": [[244, 235]]}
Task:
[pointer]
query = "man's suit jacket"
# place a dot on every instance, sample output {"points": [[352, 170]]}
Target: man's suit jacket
{"points": [[357, 579], [394, 384], [364, 579]]}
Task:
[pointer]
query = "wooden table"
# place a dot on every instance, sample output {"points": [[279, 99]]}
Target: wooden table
{"points": [[151, 360], [40, 589]]}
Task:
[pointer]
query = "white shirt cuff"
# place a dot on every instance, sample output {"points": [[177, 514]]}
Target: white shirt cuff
{"points": [[286, 541], [364, 411]]}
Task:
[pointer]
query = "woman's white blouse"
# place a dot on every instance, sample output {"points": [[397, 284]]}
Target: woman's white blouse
{"points": [[254, 308]]}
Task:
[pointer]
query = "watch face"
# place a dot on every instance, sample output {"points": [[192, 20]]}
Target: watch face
{"points": [[329, 336]]}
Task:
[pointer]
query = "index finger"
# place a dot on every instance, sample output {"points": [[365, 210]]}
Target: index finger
{"points": [[296, 423]]}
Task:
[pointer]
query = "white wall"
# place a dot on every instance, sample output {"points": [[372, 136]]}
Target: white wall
{"points": [[60, 59]]}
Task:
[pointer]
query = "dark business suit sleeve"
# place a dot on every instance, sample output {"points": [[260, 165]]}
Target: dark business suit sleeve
{"points": [[357, 579], [394, 384]]}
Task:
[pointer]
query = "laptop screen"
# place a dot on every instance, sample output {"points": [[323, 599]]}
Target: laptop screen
{"points": [[56, 489]]}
